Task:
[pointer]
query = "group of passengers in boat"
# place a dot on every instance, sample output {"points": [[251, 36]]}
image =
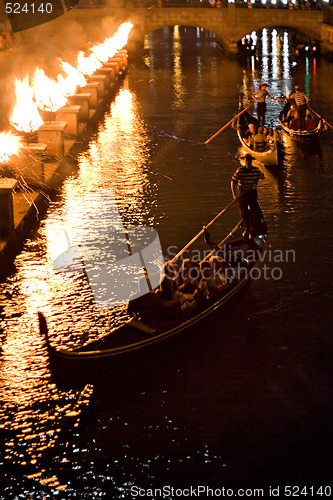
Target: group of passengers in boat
{"points": [[259, 138], [181, 294], [292, 120]]}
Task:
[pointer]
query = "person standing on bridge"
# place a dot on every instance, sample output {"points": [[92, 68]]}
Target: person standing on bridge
{"points": [[260, 96]]}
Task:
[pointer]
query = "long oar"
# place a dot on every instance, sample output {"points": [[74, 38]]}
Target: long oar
{"points": [[202, 230], [220, 245], [313, 111], [227, 124]]}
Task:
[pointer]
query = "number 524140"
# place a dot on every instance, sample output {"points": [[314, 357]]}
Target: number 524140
{"points": [[17, 8]]}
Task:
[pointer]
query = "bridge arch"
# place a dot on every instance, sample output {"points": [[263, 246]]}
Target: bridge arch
{"points": [[229, 25]]}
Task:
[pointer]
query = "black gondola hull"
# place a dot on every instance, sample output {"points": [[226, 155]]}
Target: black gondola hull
{"points": [[119, 354]]}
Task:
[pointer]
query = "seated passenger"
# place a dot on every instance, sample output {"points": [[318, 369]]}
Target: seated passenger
{"points": [[270, 135], [153, 309], [168, 289], [293, 125], [207, 288], [188, 276], [168, 284], [259, 140], [219, 268], [251, 131], [292, 113], [310, 124]]}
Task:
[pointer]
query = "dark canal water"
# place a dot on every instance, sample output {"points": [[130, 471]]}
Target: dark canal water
{"points": [[247, 402]]}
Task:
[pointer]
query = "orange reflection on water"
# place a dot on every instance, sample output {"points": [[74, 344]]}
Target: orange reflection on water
{"points": [[117, 159], [22, 347], [123, 107], [177, 77]]}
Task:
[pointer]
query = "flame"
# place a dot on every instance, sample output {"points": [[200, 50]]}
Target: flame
{"points": [[88, 64], [121, 36], [9, 145], [50, 95], [74, 79], [103, 51], [47, 92], [25, 116]]}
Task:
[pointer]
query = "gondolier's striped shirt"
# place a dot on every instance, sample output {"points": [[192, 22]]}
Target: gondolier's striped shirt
{"points": [[261, 95], [247, 179], [299, 97]]}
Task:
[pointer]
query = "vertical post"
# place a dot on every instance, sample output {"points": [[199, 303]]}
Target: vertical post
{"points": [[7, 186]]}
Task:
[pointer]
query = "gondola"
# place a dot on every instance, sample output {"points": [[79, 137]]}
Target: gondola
{"points": [[136, 342], [271, 156], [301, 136]]}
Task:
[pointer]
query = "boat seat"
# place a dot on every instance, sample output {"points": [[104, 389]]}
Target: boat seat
{"points": [[154, 310], [142, 327]]}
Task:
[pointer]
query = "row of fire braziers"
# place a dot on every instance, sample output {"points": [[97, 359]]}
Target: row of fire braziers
{"points": [[67, 122], [60, 129]]}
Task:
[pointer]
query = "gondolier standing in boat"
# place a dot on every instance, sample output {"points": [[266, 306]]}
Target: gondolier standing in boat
{"points": [[246, 178], [301, 101], [260, 96]]}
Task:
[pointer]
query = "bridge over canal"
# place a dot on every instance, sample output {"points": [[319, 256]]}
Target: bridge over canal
{"points": [[229, 24]]}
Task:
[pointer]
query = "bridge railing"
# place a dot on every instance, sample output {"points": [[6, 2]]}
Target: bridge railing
{"points": [[173, 3], [300, 4]]}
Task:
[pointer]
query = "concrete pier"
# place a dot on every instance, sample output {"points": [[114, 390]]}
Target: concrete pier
{"points": [[52, 134], [92, 89], [114, 65], [81, 100], [70, 115], [107, 73], [111, 68], [100, 79], [119, 61], [124, 55]]}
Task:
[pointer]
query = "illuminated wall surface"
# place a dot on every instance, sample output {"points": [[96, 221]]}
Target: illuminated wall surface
{"points": [[23, 15]]}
